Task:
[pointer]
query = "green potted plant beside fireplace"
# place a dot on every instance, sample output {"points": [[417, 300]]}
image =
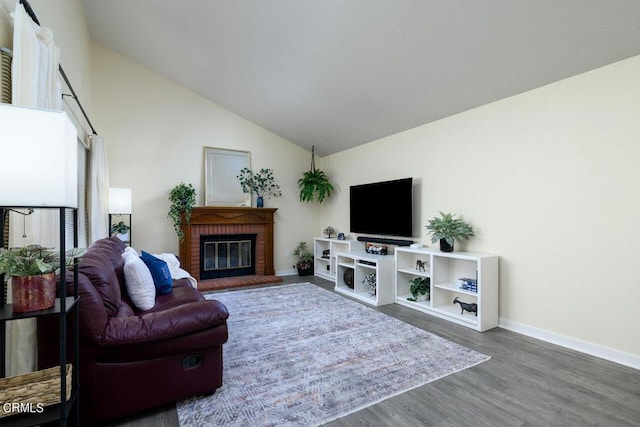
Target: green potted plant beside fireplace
{"points": [[182, 198], [32, 270], [305, 259]]}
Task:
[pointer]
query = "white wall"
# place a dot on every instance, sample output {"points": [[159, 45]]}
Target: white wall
{"points": [[549, 180], [155, 131]]}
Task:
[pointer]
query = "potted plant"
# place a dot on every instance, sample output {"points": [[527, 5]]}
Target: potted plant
{"points": [[121, 231], [305, 259], [419, 286], [447, 229], [182, 198], [32, 270], [314, 182], [262, 183]]}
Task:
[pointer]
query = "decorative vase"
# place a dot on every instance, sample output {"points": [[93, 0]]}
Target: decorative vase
{"points": [[123, 236], [445, 246], [33, 293], [260, 202]]}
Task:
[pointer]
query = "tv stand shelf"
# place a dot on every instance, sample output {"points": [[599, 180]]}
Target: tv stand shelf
{"points": [[353, 267], [325, 265], [445, 269]]}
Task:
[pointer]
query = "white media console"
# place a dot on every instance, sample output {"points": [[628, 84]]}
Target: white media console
{"points": [[346, 264]]}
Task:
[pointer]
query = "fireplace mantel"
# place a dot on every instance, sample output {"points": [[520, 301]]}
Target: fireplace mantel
{"points": [[228, 220]]}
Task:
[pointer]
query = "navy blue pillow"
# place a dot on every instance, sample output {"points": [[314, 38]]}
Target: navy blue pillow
{"points": [[160, 273]]}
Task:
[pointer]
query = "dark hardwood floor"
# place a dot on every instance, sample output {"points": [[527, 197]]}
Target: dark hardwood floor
{"points": [[527, 382]]}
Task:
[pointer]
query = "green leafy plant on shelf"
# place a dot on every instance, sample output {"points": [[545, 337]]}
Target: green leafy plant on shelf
{"points": [[419, 286], [120, 228], [447, 228], [34, 260], [314, 183], [183, 199]]}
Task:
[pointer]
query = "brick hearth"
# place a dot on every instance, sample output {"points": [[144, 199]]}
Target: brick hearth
{"points": [[236, 282], [228, 220]]}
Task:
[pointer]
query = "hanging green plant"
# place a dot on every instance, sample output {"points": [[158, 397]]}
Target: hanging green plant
{"points": [[182, 198], [314, 181]]}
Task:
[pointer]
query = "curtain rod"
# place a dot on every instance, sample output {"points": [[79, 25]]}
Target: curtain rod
{"points": [[32, 15]]}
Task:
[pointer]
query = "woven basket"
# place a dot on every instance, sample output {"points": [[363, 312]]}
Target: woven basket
{"points": [[39, 387]]}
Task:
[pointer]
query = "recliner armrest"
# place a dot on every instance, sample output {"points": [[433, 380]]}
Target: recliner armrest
{"points": [[163, 325]]}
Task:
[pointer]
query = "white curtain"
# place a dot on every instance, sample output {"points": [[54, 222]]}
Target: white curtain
{"points": [[35, 83], [36, 59], [83, 230], [98, 185]]}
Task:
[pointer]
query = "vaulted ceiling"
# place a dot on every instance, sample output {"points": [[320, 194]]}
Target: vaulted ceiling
{"points": [[339, 73]]}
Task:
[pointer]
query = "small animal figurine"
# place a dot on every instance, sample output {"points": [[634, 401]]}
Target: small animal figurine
{"points": [[470, 307], [419, 265]]}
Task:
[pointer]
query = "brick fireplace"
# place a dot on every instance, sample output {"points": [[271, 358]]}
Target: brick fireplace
{"points": [[228, 220]]}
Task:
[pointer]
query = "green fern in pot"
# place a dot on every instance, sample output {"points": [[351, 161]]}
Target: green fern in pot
{"points": [[314, 183]]}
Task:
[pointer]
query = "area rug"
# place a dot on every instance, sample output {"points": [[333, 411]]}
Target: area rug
{"points": [[299, 355]]}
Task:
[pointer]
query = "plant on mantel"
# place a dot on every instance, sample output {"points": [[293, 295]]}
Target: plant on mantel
{"points": [[182, 198], [262, 183]]}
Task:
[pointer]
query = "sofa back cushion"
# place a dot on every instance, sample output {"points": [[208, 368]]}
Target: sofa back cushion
{"points": [[102, 265], [93, 317]]}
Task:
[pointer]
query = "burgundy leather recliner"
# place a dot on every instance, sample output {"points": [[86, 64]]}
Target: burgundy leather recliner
{"points": [[132, 361]]}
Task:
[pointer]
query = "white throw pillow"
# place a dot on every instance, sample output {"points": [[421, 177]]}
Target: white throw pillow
{"points": [[138, 281], [129, 250]]}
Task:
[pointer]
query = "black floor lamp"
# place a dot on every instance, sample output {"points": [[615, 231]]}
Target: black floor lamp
{"points": [[120, 213]]}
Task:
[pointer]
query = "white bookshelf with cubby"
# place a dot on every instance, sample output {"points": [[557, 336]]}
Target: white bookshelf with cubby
{"points": [[445, 269], [324, 252], [353, 267]]}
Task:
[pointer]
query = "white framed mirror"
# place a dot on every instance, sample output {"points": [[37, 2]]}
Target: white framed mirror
{"points": [[221, 168]]}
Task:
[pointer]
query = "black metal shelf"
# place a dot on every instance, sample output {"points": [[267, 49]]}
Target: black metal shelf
{"points": [[66, 410], [6, 311]]}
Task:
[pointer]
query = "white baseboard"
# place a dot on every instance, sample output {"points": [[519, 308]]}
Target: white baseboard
{"points": [[602, 352]]}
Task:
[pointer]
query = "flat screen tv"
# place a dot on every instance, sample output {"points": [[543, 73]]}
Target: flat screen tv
{"points": [[382, 208]]}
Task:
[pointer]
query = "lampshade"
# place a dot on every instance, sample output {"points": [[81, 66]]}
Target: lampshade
{"points": [[39, 158], [119, 200]]}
